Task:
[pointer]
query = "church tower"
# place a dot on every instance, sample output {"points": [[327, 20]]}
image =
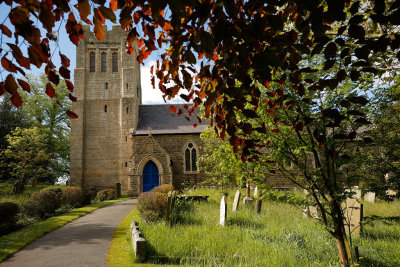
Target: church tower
{"points": [[107, 86]]}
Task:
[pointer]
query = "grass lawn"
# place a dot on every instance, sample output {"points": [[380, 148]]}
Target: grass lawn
{"points": [[278, 236]]}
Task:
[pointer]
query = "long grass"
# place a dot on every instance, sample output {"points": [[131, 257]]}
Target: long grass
{"points": [[11, 243], [278, 236]]}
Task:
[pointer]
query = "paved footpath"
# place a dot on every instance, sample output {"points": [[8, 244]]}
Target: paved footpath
{"points": [[83, 242]]}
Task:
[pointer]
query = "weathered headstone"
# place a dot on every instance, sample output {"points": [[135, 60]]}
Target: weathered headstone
{"points": [[369, 197], [236, 201], [222, 212], [118, 189], [258, 205], [353, 212], [247, 200], [256, 193]]}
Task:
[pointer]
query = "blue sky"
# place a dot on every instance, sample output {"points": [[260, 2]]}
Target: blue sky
{"points": [[149, 95]]}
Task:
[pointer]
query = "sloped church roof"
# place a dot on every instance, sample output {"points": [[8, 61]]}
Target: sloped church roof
{"points": [[163, 121]]}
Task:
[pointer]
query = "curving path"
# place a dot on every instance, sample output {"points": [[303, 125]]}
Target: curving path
{"points": [[83, 242]]}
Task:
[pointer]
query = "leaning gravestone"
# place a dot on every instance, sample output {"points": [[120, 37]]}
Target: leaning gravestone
{"points": [[369, 197], [247, 200], [222, 212], [236, 201], [353, 212]]}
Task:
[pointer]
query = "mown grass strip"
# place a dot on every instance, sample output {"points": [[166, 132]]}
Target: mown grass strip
{"points": [[121, 251], [11, 243]]}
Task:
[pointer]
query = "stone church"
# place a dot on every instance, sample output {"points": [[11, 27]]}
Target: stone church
{"points": [[117, 139]]}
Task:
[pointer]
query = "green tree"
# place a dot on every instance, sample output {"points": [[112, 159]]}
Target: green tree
{"points": [[10, 118], [27, 156], [48, 114]]}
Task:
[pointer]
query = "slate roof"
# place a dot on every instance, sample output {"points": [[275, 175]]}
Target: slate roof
{"points": [[163, 121]]}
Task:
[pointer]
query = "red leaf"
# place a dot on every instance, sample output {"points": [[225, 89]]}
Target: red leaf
{"points": [[50, 90], [99, 30], [71, 114], [5, 30], [64, 72], [54, 78], [24, 85], [46, 16], [114, 5], [99, 16], [180, 112], [243, 158], [11, 85], [194, 125], [167, 26], [22, 61], [172, 108], [276, 120], [83, 8], [16, 100], [70, 86], [275, 131], [72, 98], [8, 65], [64, 60]]}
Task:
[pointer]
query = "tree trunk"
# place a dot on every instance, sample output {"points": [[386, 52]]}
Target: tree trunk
{"points": [[339, 234]]}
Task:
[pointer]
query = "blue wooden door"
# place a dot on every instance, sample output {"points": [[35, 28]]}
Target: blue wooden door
{"points": [[150, 176]]}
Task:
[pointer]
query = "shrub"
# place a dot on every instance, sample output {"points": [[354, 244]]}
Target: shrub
{"points": [[8, 212], [88, 196], [72, 196], [42, 204], [165, 188], [8, 217], [106, 194], [152, 206]]}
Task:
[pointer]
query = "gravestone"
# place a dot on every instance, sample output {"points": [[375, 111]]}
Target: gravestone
{"points": [[118, 189], [258, 206], [369, 197], [247, 200], [256, 193], [222, 212], [236, 201], [353, 212]]}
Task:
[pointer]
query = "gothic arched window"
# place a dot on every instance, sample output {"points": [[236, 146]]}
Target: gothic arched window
{"points": [[190, 158], [115, 62], [92, 62], [103, 62]]}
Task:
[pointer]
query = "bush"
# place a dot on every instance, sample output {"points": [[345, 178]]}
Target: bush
{"points": [[43, 204], [88, 196], [106, 194], [152, 206], [8, 217], [72, 196], [8, 212], [165, 188]]}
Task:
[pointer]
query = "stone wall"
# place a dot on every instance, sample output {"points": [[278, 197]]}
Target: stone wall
{"points": [[168, 152], [107, 107]]}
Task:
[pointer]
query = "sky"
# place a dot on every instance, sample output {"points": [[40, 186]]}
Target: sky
{"points": [[149, 95]]}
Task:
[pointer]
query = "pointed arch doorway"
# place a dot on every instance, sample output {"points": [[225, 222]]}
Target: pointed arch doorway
{"points": [[150, 176]]}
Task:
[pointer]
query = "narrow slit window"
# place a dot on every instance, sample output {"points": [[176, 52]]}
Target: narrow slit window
{"points": [[137, 91], [127, 110], [106, 85], [127, 86], [105, 108], [126, 164], [115, 62], [92, 62], [103, 62]]}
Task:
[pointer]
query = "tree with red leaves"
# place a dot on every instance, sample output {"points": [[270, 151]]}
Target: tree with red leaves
{"points": [[236, 43]]}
